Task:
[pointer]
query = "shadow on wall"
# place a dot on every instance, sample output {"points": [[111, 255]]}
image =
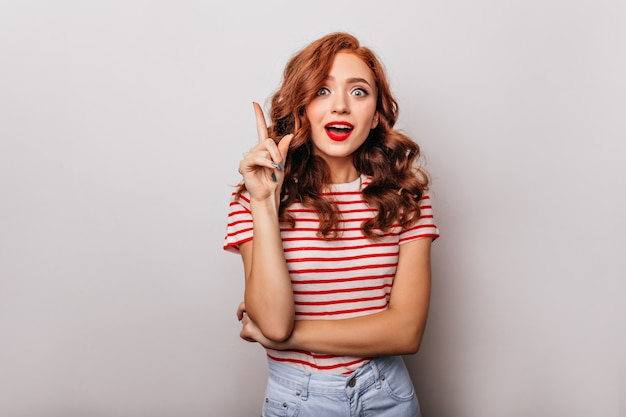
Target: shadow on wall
{"points": [[434, 368]]}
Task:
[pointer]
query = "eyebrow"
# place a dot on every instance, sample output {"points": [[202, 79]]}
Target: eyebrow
{"points": [[353, 80]]}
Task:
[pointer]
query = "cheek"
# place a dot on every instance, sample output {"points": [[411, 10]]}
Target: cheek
{"points": [[312, 112], [370, 108]]}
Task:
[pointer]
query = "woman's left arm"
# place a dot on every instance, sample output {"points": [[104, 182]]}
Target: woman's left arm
{"points": [[395, 331]]}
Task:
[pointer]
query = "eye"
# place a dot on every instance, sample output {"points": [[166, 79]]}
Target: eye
{"points": [[323, 91], [359, 92]]}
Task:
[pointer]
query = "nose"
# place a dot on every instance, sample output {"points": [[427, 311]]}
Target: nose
{"points": [[340, 105]]}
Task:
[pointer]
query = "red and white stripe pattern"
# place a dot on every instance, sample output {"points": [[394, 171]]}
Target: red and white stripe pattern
{"points": [[344, 277]]}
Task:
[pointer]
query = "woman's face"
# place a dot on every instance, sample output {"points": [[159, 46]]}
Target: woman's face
{"points": [[344, 110]]}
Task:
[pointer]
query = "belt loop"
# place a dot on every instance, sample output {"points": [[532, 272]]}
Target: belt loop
{"points": [[376, 372], [303, 394]]}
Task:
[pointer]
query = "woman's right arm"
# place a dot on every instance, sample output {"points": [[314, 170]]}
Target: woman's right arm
{"points": [[268, 295]]}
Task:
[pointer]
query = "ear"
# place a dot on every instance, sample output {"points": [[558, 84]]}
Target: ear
{"points": [[375, 121]]}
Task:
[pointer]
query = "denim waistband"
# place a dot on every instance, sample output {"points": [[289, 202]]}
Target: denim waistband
{"points": [[304, 382]]}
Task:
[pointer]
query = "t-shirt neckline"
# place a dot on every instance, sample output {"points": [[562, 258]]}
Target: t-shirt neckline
{"points": [[348, 186]]}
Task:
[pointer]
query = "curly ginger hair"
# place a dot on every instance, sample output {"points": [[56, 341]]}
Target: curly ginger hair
{"points": [[388, 156]]}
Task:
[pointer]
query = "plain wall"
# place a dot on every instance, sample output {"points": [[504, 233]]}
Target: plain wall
{"points": [[121, 127]]}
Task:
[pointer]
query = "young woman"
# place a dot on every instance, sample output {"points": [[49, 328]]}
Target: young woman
{"points": [[334, 226]]}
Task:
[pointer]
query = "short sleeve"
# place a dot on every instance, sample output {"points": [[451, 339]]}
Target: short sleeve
{"points": [[425, 226], [239, 226]]}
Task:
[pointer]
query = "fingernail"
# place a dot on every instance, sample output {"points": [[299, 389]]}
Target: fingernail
{"points": [[279, 166], [273, 177]]}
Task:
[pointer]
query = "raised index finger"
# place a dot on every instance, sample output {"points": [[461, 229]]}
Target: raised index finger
{"points": [[261, 126]]}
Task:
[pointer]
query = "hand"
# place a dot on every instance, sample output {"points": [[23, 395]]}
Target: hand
{"points": [[250, 332], [263, 166]]}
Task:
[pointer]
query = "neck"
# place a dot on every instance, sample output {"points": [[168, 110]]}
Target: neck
{"points": [[344, 174]]}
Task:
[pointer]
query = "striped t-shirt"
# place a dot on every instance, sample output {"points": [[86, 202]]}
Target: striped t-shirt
{"points": [[347, 276]]}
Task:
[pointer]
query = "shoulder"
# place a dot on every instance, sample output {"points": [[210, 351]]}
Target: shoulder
{"points": [[366, 180]]}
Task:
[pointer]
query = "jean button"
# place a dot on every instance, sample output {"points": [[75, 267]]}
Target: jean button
{"points": [[352, 382]]}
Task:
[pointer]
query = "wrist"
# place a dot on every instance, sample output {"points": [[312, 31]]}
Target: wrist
{"points": [[268, 204]]}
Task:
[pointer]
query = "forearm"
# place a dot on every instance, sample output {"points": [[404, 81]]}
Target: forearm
{"points": [[268, 292], [386, 333]]}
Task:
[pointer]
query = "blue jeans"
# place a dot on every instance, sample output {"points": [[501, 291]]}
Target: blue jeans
{"points": [[381, 388]]}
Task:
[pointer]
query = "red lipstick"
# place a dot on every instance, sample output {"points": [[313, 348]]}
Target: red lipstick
{"points": [[338, 131]]}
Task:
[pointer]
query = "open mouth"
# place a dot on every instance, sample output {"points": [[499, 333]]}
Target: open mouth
{"points": [[338, 130]]}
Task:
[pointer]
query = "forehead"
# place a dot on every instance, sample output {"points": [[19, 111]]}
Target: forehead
{"points": [[347, 65]]}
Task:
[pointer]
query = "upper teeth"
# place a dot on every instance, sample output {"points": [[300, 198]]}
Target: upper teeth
{"points": [[339, 127]]}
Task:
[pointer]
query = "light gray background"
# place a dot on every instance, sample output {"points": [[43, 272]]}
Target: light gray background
{"points": [[121, 126]]}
